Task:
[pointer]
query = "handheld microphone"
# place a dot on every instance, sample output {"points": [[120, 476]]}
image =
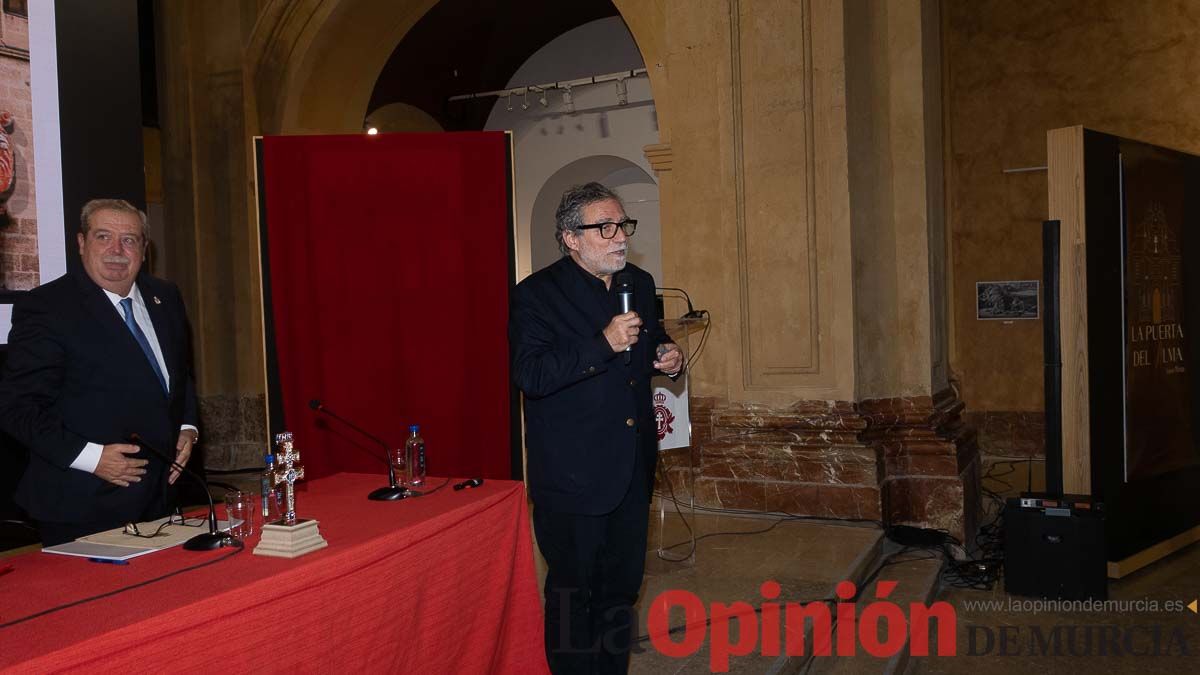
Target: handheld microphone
{"points": [[384, 494], [214, 538], [624, 283]]}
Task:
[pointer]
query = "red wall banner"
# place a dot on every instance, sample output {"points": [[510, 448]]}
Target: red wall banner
{"points": [[387, 262]]}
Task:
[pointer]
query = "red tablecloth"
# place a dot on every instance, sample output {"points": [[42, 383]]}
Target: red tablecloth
{"points": [[439, 584]]}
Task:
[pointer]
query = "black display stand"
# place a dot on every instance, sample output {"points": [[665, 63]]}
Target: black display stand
{"points": [[1129, 286]]}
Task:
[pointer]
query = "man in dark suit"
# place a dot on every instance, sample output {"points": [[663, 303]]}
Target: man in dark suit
{"points": [[590, 429], [95, 356]]}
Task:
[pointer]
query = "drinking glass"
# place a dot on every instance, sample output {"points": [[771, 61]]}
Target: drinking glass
{"points": [[239, 510]]}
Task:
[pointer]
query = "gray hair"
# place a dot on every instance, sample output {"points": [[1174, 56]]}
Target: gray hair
{"points": [[90, 209], [568, 216]]}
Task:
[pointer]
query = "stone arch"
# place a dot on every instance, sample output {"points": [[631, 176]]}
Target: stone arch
{"points": [[311, 64]]}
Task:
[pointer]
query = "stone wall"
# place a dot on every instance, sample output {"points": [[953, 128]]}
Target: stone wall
{"points": [[1009, 433], [233, 431], [1012, 74]]}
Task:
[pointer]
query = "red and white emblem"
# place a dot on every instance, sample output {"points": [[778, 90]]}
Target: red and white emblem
{"points": [[8, 160], [663, 415]]}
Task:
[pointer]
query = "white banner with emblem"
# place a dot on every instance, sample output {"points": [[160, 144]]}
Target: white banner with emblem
{"points": [[671, 412]]}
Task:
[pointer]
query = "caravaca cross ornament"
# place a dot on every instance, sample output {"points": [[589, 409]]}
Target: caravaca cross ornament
{"points": [[288, 473], [289, 537]]}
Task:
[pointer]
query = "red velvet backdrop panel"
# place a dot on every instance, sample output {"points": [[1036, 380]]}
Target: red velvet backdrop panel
{"points": [[389, 269]]}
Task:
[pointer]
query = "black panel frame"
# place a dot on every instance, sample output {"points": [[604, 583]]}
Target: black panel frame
{"points": [[1144, 512]]}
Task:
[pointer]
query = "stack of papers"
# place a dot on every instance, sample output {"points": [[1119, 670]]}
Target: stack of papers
{"points": [[117, 545]]}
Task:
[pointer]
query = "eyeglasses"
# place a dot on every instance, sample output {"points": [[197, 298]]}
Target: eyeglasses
{"points": [[175, 518], [608, 230]]}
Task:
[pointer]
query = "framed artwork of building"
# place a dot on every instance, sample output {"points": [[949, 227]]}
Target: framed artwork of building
{"points": [[1006, 300]]}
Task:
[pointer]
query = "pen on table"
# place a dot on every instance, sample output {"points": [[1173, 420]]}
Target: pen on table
{"points": [[109, 562], [5, 570]]}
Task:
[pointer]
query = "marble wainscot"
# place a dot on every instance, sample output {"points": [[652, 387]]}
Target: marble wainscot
{"points": [[902, 460]]}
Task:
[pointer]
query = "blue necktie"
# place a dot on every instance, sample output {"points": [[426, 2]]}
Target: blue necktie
{"points": [[127, 306]]}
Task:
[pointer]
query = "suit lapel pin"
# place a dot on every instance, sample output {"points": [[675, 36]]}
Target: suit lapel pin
{"points": [[157, 301]]}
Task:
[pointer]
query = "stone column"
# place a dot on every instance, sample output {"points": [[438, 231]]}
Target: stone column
{"points": [[928, 458], [805, 193], [212, 245]]}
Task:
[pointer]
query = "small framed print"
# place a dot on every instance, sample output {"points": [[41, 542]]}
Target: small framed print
{"points": [[1007, 300]]}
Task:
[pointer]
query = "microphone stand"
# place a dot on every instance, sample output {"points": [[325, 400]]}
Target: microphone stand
{"points": [[214, 538], [394, 490]]}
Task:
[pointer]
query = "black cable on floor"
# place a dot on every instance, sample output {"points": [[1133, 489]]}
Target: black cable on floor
{"points": [[784, 515], [722, 534]]}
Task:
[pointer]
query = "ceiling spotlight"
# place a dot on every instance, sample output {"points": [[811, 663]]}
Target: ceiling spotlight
{"points": [[371, 131], [542, 97], [525, 100], [509, 106], [568, 102], [622, 92]]}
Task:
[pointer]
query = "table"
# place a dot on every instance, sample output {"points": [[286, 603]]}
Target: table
{"points": [[438, 584]]}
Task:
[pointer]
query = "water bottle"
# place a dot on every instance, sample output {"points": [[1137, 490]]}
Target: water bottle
{"points": [[414, 454], [267, 490]]}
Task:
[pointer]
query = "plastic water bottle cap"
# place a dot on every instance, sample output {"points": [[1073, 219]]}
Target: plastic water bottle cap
{"points": [[270, 459], [414, 428]]}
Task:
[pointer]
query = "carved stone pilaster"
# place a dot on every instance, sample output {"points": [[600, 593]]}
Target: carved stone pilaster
{"points": [[929, 460]]}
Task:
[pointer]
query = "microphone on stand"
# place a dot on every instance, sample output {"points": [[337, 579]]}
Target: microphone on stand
{"points": [[624, 283], [214, 538], [394, 490]]}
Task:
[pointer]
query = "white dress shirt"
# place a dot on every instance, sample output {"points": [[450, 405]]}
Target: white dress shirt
{"points": [[90, 456]]}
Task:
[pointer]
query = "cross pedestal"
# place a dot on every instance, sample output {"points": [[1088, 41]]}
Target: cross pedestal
{"points": [[289, 537]]}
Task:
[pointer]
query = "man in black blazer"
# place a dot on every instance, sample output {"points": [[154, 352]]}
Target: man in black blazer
{"points": [[95, 356], [590, 428]]}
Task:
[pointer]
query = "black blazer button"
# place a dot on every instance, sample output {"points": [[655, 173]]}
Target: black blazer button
{"points": [[633, 383], [629, 422]]}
